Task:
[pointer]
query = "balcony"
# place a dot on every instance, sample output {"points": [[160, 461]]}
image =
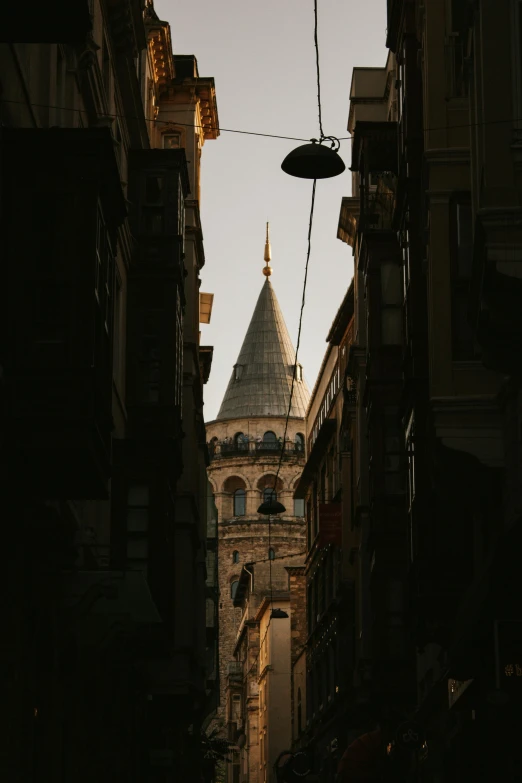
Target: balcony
{"points": [[222, 450], [379, 205], [375, 147]]}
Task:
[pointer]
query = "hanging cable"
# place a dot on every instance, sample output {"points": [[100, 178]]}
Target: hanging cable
{"points": [[156, 122], [316, 44], [478, 124]]}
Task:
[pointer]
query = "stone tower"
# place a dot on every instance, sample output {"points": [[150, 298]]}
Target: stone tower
{"points": [[246, 448]]}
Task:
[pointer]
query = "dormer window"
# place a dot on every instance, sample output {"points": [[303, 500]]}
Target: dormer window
{"points": [[298, 372], [238, 372]]}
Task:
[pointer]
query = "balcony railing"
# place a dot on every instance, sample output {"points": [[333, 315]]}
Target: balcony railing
{"points": [[254, 449]]}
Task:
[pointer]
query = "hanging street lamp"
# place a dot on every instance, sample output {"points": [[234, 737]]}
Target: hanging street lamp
{"points": [[315, 161]]}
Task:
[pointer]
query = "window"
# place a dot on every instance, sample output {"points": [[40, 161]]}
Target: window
{"points": [[137, 526], [241, 441], [298, 372], [60, 85], [269, 437], [210, 613], [172, 140], [233, 588], [154, 189], [461, 244], [106, 68], [391, 304], [410, 453], [178, 380], [269, 494], [118, 331], [238, 372], [299, 713], [299, 442], [392, 452], [150, 355], [236, 708], [323, 484], [239, 503], [271, 554], [299, 507], [235, 557]]}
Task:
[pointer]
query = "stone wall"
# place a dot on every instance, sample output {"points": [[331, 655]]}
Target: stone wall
{"points": [[248, 535]]}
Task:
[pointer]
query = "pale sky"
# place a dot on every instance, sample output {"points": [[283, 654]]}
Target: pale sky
{"points": [[261, 55]]}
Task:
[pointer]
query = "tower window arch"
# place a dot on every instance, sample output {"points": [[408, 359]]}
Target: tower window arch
{"points": [[271, 554], [241, 441], [235, 556], [239, 503], [269, 494], [233, 588], [299, 441], [269, 437]]}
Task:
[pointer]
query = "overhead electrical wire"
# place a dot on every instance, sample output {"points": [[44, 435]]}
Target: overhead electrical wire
{"points": [[298, 343], [157, 122], [484, 123]]}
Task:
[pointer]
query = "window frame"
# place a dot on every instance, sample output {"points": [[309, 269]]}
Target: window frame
{"points": [[239, 493]]}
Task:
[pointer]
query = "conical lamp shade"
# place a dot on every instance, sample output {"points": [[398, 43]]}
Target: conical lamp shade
{"points": [[313, 161], [271, 507]]}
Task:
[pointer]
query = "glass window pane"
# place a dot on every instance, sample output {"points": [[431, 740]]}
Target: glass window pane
{"points": [[171, 141], [391, 284], [392, 326], [239, 503], [152, 220], [137, 520], [299, 507], [137, 548], [138, 495], [269, 494], [154, 190]]}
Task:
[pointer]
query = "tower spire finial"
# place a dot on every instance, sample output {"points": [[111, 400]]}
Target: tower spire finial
{"points": [[267, 271]]}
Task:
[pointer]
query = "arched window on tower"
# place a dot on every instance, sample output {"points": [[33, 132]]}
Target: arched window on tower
{"points": [[235, 557], [233, 588], [271, 554], [270, 438], [299, 442], [239, 503], [269, 493]]}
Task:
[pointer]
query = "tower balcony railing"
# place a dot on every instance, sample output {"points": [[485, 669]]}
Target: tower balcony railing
{"points": [[253, 448]]}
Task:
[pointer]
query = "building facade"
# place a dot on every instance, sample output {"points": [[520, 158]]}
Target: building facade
{"points": [[102, 437], [433, 226], [256, 451], [259, 679], [323, 689]]}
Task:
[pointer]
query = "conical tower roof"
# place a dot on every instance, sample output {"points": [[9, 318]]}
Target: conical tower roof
{"points": [[262, 377]]}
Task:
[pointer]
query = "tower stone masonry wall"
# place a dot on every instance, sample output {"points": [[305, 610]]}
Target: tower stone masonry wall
{"points": [[257, 442], [248, 535]]}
